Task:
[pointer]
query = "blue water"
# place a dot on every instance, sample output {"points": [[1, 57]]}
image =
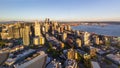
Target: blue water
{"points": [[111, 30]]}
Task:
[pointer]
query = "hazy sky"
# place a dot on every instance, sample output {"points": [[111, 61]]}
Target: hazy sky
{"points": [[60, 9]]}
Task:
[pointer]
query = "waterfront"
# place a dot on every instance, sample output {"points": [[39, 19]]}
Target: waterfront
{"points": [[111, 30]]}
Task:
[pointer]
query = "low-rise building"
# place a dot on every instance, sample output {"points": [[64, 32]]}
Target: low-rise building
{"points": [[37, 60], [71, 64], [115, 59]]}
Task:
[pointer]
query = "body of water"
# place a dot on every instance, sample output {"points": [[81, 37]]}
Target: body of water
{"points": [[111, 30]]}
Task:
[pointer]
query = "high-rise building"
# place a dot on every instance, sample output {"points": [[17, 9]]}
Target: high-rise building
{"points": [[55, 24], [64, 36], [21, 32], [62, 45], [68, 27], [107, 41], [90, 50], [26, 37], [16, 32], [96, 40], [10, 32], [76, 55], [61, 28], [47, 20], [78, 42], [77, 33], [58, 29], [43, 29], [32, 31], [37, 29], [4, 35], [42, 40], [46, 27], [65, 27], [71, 54], [86, 38], [36, 41]]}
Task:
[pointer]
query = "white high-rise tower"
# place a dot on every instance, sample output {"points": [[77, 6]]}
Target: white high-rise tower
{"points": [[37, 29]]}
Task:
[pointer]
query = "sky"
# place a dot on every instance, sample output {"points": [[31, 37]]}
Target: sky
{"points": [[64, 10]]}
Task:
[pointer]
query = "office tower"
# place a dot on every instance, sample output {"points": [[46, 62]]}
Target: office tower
{"points": [[65, 27], [32, 31], [58, 29], [46, 27], [47, 20], [53, 32], [86, 38], [61, 29], [107, 41], [96, 40], [16, 32], [41, 40], [4, 35], [36, 41], [26, 37], [71, 54], [90, 50], [78, 42], [43, 29], [55, 24], [18, 24], [68, 27], [64, 36], [21, 32], [62, 45], [76, 55], [77, 33], [10, 32], [37, 29]]}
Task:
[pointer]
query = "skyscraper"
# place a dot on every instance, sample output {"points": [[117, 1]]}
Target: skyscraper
{"points": [[26, 37], [55, 24], [16, 32], [68, 27], [71, 54], [42, 40], [86, 38], [47, 20], [10, 31], [78, 42], [46, 27], [36, 41], [37, 29], [21, 32], [64, 36], [97, 40]]}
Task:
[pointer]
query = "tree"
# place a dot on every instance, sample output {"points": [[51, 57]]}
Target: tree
{"points": [[87, 63], [2, 44]]}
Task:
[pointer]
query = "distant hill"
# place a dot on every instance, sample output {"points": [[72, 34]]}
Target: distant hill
{"points": [[68, 22]]}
